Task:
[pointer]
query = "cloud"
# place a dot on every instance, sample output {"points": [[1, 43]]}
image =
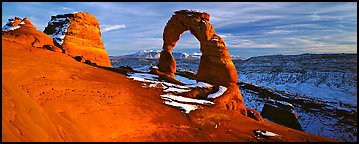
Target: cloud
{"points": [[277, 32], [108, 28], [312, 44]]}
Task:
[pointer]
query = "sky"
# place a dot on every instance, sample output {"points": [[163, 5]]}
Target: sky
{"points": [[248, 28]]}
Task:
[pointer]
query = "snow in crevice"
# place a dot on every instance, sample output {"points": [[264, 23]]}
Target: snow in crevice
{"points": [[171, 90], [8, 26], [185, 99], [220, 92], [186, 107], [75, 12], [60, 31], [178, 90], [265, 133]]}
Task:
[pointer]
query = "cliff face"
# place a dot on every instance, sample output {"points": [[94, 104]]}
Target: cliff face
{"points": [[78, 34]]}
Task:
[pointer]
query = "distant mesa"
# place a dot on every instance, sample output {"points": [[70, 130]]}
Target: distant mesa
{"points": [[78, 34]]}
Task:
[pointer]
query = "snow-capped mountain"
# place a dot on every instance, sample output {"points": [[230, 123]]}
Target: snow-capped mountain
{"points": [[153, 54]]}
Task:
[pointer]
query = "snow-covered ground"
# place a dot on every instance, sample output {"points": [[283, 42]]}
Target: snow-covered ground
{"points": [[315, 84], [327, 76], [323, 121], [327, 81], [186, 105]]}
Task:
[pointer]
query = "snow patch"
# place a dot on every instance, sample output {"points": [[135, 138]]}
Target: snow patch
{"points": [[220, 91], [59, 34], [185, 107], [184, 99], [200, 85], [185, 80], [265, 133], [169, 88], [6, 28], [75, 12], [145, 75], [215, 38], [156, 85], [178, 90]]}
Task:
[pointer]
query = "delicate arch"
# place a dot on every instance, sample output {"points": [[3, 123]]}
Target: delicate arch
{"points": [[216, 66]]}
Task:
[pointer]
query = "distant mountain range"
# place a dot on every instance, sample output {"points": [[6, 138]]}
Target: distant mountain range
{"points": [[155, 54]]}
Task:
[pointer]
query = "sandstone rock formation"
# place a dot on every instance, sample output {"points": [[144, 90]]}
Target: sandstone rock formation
{"points": [[78, 34], [24, 32], [282, 113], [15, 23], [216, 66]]}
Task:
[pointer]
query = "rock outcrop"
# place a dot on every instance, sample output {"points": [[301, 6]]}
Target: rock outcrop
{"points": [[78, 34], [282, 113], [15, 23], [24, 32], [216, 66]]}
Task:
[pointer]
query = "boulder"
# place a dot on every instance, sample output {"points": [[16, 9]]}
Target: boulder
{"points": [[78, 34], [129, 68], [252, 113], [216, 66], [282, 113], [78, 58], [88, 62]]}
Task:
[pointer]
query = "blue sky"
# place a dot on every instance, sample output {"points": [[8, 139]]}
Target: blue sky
{"points": [[248, 28]]}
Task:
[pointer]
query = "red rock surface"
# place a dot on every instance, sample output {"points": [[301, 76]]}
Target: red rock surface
{"points": [[82, 38]]}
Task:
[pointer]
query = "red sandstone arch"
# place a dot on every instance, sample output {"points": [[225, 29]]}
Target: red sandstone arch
{"points": [[216, 66]]}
